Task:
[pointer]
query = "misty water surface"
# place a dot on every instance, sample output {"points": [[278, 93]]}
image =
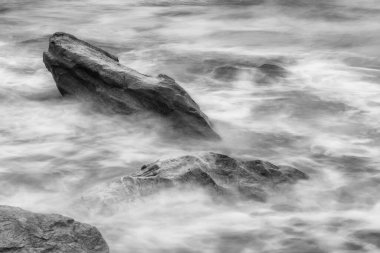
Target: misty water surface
{"points": [[319, 112]]}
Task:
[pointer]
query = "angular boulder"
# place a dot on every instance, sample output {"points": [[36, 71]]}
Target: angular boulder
{"points": [[85, 71], [218, 173], [22, 231]]}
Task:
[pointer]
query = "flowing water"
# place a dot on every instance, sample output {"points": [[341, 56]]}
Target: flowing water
{"points": [[319, 112]]}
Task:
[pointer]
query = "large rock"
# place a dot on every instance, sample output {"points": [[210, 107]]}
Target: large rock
{"points": [[218, 173], [88, 72], [22, 231]]}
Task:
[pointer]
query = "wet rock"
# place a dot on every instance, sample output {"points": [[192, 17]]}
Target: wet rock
{"points": [[226, 73], [90, 73], [351, 246], [240, 2], [23, 231], [273, 70], [300, 245], [369, 236], [270, 73], [259, 73], [217, 173]]}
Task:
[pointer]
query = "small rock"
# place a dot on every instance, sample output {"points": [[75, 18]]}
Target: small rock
{"points": [[226, 73], [272, 70]]}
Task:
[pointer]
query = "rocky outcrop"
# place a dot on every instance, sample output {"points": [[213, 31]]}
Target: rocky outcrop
{"points": [[218, 173], [85, 71], [22, 231]]}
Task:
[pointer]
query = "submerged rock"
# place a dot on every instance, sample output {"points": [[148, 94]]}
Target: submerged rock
{"points": [[85, 71], [23, 231], [259, 73], [218, 173], [270, 73], [273, 70], [369, 236], [226, 73]]}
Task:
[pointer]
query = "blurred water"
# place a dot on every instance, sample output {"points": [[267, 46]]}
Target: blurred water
{"points": [[320, 112]]}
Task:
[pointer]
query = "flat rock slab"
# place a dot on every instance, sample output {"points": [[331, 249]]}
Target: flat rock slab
{"points": [[85, 71], [22, 231], [218, 173]]}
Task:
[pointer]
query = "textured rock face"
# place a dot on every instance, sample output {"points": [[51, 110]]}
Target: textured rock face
{"points": [[22, 231], [216, 172], [90, 73]]}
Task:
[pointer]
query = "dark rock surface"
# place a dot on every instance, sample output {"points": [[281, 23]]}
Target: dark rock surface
{"points": [[273, 70], [265, 73], [90, 73], [22, 231], [270, 73], [226, 73], [369, 236], [216, 172]]}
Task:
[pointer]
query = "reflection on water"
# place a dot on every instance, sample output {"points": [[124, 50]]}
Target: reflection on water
{"points": [[293, 82]]}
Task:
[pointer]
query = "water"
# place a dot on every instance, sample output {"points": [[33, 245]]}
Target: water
{"points": [[321, 116]]}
